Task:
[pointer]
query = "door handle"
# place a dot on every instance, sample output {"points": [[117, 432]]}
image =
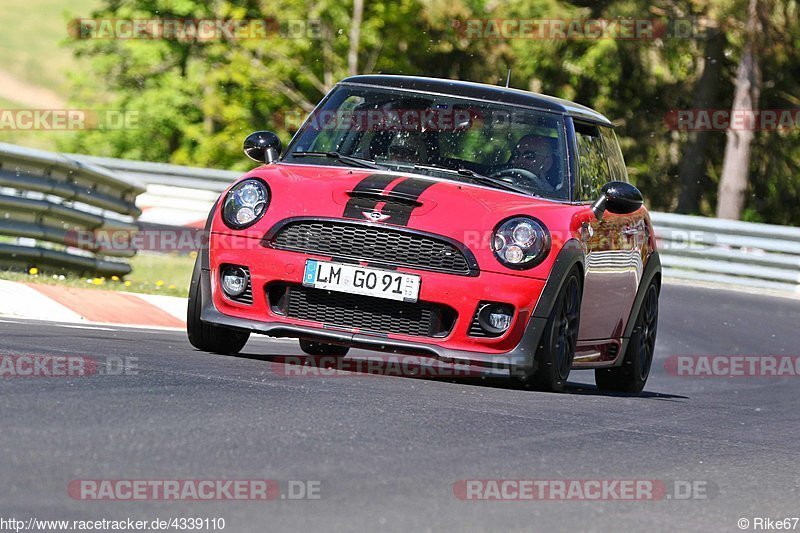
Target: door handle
{"points": [[630, 231]]}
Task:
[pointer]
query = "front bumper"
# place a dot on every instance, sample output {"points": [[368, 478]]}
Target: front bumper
{"points": [[510, 354]]}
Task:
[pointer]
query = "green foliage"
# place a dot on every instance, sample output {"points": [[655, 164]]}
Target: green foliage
{"points": [[197, 100]]}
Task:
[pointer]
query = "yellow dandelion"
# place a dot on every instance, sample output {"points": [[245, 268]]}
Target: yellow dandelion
{"points": [[98, 281], [33, 271], [127, 283], [159, 283], [114, 278]]}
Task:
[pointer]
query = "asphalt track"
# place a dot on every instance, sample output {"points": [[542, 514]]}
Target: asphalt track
{"points": [[388, 450]]}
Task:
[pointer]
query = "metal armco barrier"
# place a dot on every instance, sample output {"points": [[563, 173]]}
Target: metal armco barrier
{"points": [[693, 248], [729, 251], [52, 205], [164, 173]]}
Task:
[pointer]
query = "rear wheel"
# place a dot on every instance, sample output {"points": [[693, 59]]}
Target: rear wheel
{"points": [[560, 338], [208, 337], [321, 348], [632, 375]]}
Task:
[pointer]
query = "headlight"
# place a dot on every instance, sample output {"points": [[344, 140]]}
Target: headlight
{"points": [[520, 242], [245, 204]]}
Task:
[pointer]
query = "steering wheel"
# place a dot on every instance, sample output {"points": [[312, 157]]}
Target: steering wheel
{"points": [[522, 178]]}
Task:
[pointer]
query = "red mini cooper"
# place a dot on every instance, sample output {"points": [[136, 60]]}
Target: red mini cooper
{"points": [[472, 224]]}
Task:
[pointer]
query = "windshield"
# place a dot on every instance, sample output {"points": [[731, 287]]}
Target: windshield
{"points": [[442, 136]]}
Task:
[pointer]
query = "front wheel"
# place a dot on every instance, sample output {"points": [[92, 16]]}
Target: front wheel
{"points": [[208, 337], [560, 338], [632, 375]]}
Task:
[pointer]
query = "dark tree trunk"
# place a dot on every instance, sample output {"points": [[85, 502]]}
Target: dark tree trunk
{"points": [[736, 163], [355, 35], [692, 170]]}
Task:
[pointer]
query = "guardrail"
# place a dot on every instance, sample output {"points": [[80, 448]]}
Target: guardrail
{"points": [[164, 173], [693, 248], [51, 207], [729, 251]]}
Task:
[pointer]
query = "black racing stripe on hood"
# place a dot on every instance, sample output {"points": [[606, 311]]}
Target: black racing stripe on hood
{"points": [[374, 183], [410, 189]]}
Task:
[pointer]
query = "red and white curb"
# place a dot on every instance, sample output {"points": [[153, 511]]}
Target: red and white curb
{"points": [[90, 306]]}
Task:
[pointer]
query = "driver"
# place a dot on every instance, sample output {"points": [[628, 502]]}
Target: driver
{"points": [[535, 154], [407, 146]]}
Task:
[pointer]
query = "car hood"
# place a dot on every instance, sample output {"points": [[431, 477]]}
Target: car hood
{"points": [[462, 211]]}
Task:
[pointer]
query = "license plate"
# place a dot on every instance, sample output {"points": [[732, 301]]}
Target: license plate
{"points": [[359, 280]]}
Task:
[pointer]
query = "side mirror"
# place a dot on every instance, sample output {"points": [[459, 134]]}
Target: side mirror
{"points": [[617, 197], [262, 146]]}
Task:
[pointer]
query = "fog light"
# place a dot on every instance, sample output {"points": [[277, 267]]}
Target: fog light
{"points": [[499, 321], [234, 281], [495, 318]]}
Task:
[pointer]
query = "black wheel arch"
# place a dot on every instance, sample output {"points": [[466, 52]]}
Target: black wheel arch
{"points": [[205, 263], [571, 255]]}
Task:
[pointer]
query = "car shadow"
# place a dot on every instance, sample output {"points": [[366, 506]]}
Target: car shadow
{"points": [[592, 390], [387, 365]]}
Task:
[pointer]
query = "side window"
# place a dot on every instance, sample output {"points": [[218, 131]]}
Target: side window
{"points": [[592, 164], [332, 136], [615, 161]]}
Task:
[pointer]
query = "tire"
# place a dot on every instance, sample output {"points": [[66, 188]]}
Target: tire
{"points": [[321, 348], [208, 337], [556, 349], [632, 375]]}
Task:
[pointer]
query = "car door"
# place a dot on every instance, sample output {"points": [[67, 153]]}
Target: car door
{"points": [[613, 264], [634, 229]]}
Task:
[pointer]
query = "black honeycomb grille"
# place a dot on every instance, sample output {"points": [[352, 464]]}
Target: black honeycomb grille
{"points": [[377, 245], [367, 313]]}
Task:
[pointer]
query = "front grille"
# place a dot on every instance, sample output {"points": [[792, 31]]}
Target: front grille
{"points": [[367, 313], [374, 244]]}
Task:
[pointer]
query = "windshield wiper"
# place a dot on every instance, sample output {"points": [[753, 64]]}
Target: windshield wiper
{"points": [[352, 160], [486, 180], [480, 178]]}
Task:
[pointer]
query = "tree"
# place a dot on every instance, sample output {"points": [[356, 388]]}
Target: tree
{"points": [[736, 162], [198, 99], [693, 167]]}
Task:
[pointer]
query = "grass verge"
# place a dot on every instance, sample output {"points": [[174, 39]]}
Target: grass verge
{"points": [[152, 274]]}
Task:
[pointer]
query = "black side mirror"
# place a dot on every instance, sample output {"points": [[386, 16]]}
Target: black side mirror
{"points": [[262, 146], [617, 197]]}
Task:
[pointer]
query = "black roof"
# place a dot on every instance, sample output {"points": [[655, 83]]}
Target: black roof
{"points": [[481, 91]]}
